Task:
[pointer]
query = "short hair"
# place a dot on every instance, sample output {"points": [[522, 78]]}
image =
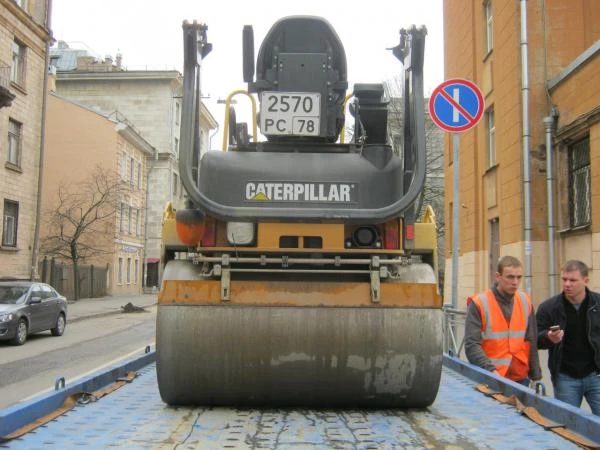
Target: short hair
{"points": [[508, 261], [573, 265]]}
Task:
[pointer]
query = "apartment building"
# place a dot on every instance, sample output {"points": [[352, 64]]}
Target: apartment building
{"points": [[80, 144], [529, 171], [152, 102], [24, 36]]}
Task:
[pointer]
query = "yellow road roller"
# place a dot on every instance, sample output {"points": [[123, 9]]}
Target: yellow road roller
{"points": [[300, 272]]}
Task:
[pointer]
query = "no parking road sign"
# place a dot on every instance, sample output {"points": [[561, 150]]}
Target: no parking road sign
{"points": [[456, 105]]}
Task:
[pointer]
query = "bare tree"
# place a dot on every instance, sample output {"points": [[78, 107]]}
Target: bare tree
{"points": [[433, 190], [81, 224]]}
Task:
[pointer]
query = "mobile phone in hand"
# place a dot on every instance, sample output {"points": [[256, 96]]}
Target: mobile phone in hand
{"points": [[554, 328]]}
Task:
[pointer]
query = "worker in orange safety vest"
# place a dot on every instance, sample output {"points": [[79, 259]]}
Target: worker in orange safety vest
{"points": [[500, 328]]}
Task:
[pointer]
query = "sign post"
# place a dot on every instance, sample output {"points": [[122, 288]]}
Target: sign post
{"points": [[456, 105]]}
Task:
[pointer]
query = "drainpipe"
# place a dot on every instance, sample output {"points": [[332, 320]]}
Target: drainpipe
{"points": [[38, 209], [548, 126], [525, 141]]}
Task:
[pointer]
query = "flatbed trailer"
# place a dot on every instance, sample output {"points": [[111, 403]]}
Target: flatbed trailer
{"points": [[134, 416]]}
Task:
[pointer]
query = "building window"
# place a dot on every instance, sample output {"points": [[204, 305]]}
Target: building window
{"points": [[137, 222], [177, 113], [136, 271], [124, 166], [128, 270], [132, 171], [489, 26], [14, 142], [130, 225], [176, 147], [17, 73], [139, 176], [579, 183], [10, 223], [490, 125], [122, 217], [175, 184], [120, 271]]}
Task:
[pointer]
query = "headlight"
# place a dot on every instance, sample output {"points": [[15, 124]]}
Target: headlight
{"points": [[240, 233], [6, 317]]}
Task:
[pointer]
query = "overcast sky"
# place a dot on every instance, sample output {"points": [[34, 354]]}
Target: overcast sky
{"points": [[148, 34]]}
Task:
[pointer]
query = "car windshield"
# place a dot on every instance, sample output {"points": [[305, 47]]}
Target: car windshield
{"points": [[12, 294]]}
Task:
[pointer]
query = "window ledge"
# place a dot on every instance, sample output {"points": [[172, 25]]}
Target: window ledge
{"points": [[575, 230], [13, 167], [18, 87], [4, 248]]}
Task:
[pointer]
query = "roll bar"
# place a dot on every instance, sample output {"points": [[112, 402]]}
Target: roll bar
{"points": [[410, 52]]}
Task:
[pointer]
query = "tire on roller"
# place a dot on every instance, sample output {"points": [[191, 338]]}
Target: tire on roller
{"points": [[244, 355]]}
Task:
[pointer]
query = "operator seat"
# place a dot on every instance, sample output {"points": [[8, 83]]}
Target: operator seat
{"points": [[305, 54]]}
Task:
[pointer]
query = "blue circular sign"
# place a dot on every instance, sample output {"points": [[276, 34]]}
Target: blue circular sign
{"points": [[456, 105]]}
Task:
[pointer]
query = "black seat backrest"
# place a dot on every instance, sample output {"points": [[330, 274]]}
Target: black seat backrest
{"points": [[305, 54]]}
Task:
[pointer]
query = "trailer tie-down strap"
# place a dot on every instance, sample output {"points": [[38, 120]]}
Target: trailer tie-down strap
{"points": [[535, 416], [68, 404]]}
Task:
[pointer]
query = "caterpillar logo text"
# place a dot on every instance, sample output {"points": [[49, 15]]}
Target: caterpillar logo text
{"points": [[302, 192]]}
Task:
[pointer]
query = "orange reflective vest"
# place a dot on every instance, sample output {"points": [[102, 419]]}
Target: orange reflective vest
{"points": [[504, 343]]}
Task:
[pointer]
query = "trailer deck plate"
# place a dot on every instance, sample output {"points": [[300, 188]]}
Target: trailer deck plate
{"points": [[134, 417]]}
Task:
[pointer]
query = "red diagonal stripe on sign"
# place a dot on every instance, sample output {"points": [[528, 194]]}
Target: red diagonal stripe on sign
{"points": [[456, 105]]}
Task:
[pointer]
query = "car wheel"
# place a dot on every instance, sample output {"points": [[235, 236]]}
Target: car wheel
{"points": [[21, 335], [61, 323]]}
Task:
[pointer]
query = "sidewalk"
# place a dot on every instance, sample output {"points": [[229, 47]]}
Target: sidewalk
{"points": [[103, 306]]}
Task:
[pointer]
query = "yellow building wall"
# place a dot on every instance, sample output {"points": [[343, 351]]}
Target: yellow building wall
{"points": [[558, 32], [78, 140]]}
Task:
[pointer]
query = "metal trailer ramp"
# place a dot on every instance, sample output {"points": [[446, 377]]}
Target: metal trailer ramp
{"points": [[134, 417]]}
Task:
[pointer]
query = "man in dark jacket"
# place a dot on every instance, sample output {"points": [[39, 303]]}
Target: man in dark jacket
{"points": [[569, 327]]}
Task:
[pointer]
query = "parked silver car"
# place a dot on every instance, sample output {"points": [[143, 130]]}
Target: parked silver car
{"points": [[28, 307]]}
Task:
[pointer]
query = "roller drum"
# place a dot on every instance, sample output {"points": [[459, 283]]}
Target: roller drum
{"points": [[298, 356]]}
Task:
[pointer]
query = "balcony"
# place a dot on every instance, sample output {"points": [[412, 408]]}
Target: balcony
{"points": [[6, 97]]}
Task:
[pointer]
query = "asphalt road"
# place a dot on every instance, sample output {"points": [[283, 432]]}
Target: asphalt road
{"points": [[86, 346]]}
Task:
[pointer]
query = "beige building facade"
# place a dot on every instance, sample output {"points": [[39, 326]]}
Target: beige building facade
{"points": [[152, 102], [529, 170], [80, 141], [24, 38]]}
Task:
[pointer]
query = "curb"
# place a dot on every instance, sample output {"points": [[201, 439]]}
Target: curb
{"points": [[103, 314], [93, 316]]}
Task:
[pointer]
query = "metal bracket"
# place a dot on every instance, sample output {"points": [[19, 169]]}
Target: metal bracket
{"points": [[375, 280], [225, 278], [225, 283]]}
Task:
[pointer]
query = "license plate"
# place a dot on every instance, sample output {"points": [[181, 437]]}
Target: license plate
{"points": [[290, 113]]}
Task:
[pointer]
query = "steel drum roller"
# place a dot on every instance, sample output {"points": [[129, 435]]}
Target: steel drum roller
{"points": [[298, 356]]}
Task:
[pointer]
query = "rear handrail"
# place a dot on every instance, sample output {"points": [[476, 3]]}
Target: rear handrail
{"points": [[226, 121]]}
